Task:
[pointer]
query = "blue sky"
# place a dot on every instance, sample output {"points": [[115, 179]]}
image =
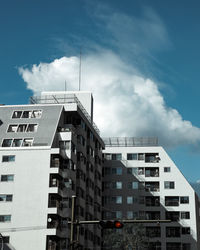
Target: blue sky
{"points": [[155, 40]]}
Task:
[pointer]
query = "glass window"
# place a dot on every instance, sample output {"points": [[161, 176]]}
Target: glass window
{"points": [[119, 199], [118, 214], [26, 114], [169, 185], [118, 185], [185, 230], [132, 156], [7, 143], [129, 199], [17, 114], [27, 142], [116, 157], [140, 157], [134, 185], [36, 114], [22, 128], [5, 197], [185, 215], [32, 128], [17, 143], [108, 157], [167, 169], [184, 199], [129, 214], [119, 171], [8, 158], [12, 128], [7, 177], [5, 218]]}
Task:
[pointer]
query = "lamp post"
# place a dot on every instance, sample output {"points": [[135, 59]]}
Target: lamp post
{"points": [[1, 236]]}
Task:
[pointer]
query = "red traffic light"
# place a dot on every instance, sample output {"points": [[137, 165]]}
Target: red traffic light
{"points": [[118, 224], [111, 224]]}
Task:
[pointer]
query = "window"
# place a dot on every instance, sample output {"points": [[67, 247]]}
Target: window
{"points": [[169, 185], [153, 232], [132, 156], [22, 128], [118, 185], [129, 214], [8, 158], [185, 230], [118, 214], [129, 199], [173, 232], [185, 215], [117, 171], [36, 114], [133, 185], [12, 128], [17, 143], [184, 199], [172, 201], [5, 197], [27, 142], [5, 218], [167, 169], [26, 114], [116, 157], [140, 157], [9, 177], [186, 246], [118, 199], [17, 114], [7, 143]]}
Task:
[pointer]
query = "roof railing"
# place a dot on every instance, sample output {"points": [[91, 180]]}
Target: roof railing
{"points": [[70, 98], [130, 141]]}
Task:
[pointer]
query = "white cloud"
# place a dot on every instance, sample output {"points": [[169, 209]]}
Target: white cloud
{"points": [[126, 103]]}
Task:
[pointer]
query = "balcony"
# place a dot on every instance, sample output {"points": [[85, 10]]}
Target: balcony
{"points": [[152, 187], [152, 201], [152, 158], [172, 201], [151, 172]]}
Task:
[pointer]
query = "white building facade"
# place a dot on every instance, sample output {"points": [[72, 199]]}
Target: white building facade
{"points": [[142, 182], [49, 151]]}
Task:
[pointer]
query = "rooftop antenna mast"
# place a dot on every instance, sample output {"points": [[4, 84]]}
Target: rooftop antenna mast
{"points": [[80, 69]]}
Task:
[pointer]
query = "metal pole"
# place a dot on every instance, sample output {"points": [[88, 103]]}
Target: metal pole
{"points": [[1, 236], [72, 223]]}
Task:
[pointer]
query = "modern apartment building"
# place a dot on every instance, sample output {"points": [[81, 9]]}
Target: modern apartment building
{"points": [[140, 181], [49, 151]]}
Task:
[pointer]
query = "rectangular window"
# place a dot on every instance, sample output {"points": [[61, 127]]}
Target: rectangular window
{"points": [[5, 197], [9, 177], [36, 114], [129, 199], [26, 114], [140, 157], [132, 156], [5, 218], [118, 214], [186, 246], [167, 169], [17, 143], [17, 114], [134, 185], [22, 128], [172, 201], [184, 199], [185, 230], [169, 185], [8, 158], [185, 215], [129, 215], [7, 143], [117, 171], [12, 128], [27, 142], [173, 232], [116, 157], [118, 199], [118, 185]]}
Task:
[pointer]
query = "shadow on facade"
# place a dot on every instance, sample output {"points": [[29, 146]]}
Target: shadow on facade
{"points": [[134, 193]]}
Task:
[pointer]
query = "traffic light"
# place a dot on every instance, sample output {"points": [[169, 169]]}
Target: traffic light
{"points": [[111, 224]]}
